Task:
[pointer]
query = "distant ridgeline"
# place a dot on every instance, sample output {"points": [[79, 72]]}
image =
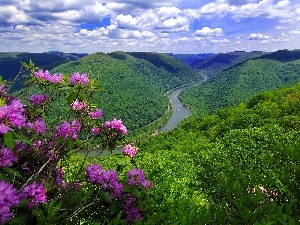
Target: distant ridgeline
{"points": [[209, 64], [239, 82], [10, 62]]}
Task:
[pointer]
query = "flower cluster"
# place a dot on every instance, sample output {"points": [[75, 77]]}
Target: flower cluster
{"points": [[59, 177], [11, 115], [129, 150], [108, 179], [67, 129], [115, 125], [35, 193], [137, 177], [37, 99], [79, 79], [97, 114], [8, 198], [38, 126], [95, 130], [7, 157], [131, 211], [79, 106], [46, 76]]}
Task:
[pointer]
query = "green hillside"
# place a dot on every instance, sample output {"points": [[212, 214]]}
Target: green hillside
{"points": [[239, 166], [174, 73], [133, 88], [241, 82]]}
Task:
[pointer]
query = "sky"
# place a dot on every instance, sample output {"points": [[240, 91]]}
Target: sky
{"points": [[170, 26]]}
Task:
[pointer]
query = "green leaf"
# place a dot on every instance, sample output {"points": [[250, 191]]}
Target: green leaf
{"points": [[4, 177], [23, 138], [105, 196], [71, 97], [39, 215], [31, 64], [9, 139], [12, 172], [136, 192], [25, 65]]}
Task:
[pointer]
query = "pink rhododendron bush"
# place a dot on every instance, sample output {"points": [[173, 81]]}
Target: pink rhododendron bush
{"points": [[36, 143]]}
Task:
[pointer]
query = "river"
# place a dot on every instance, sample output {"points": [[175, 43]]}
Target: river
{"points": [[180, 112]]}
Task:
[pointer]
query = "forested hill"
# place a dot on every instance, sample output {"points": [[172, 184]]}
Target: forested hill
{"points": [[238, 166], [173, 69], [133, 88], [241, 82]]}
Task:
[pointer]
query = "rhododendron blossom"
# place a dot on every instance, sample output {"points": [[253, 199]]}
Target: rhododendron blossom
{"points": [[79, 106], [8, 198], [129, 150], [35, 193], [37, 99], [46, 76], [137, 177], [66, 130], [97, 114], [7, 157], [116, 125], [78, 79]]}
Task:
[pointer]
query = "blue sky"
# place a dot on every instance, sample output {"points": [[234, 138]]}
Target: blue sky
{"points": [[178, 26]]}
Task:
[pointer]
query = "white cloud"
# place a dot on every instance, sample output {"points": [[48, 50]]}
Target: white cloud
{"points": [[126, 21], [295, 31], [258, 36], [208, 32], [220, 41]]}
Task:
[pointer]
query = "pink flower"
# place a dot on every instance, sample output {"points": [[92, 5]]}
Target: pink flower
{"points": [[35, 193], [129, 150], [95, 130], [8, 198], [7, 157], [37, 99], [116, 125], [66, 130], [46, 76], [96, 114], [79, 106], [77, 79]]}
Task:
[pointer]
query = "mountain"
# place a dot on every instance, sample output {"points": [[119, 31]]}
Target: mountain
{"points": [[244, 80]]}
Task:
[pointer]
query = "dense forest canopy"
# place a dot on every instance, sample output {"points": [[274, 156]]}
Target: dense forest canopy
{"points": [[238, 166]]}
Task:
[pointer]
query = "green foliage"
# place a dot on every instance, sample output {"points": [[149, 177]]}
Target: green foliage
{"points": [[238, 166]]}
